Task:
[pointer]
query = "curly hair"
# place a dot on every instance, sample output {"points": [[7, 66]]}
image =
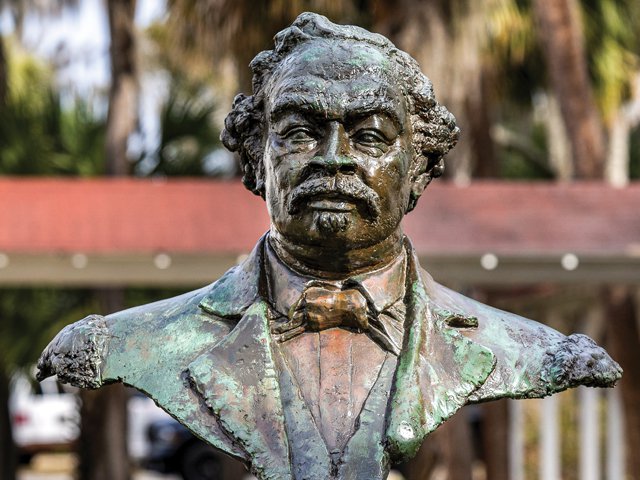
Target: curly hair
{"points": [[434, 128]]}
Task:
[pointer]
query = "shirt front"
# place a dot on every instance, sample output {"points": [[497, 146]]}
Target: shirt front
{"points": [[336, 368]]}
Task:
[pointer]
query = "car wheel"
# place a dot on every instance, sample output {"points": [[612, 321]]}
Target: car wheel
{"points": [[200, 462]]}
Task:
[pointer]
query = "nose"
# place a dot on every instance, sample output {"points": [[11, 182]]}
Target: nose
{"points": [[334, 157]]}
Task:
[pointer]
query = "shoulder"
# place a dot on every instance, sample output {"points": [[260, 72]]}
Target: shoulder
{"points": [[103, 349], [135, 345], [532, 359]]}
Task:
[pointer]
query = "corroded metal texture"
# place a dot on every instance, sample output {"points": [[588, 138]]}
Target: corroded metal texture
{"points": [[329, 352]]}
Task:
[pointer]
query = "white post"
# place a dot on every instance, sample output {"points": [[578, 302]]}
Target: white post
{"points": [[615, 436], [516, 440], [549, 440], [589, 434]]}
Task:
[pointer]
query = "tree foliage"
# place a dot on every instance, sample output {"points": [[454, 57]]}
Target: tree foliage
{"points": [[612, 33], [38, 134], [29, 318], [188, 132]]}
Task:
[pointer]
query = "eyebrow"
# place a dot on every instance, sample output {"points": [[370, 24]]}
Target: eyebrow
{"points": [[292, 103], [299, 103]]}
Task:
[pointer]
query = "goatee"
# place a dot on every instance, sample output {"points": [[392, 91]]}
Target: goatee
{"points": [[331, 222]]}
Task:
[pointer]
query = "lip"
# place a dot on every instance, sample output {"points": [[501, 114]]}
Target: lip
{"points": [[333, 203]]}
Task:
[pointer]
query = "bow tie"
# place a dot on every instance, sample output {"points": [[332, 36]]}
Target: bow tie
{"points": [[323, 305]]}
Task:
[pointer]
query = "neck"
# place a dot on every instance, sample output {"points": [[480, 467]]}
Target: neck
{"points": [[336, 263]]}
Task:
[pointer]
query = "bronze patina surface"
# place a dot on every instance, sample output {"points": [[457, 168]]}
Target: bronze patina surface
{"points": [[329, 352]]}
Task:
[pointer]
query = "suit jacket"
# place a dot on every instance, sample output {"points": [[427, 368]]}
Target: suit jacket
{"points": [[207, 358]]}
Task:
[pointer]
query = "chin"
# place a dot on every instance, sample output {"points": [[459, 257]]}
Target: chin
{"points": [[341, 231], [342, 235]]}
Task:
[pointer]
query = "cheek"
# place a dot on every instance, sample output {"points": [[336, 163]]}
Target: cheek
{"points": [[272, 180], [275, 162], [283, 170], [389, 176], [282, 174]]}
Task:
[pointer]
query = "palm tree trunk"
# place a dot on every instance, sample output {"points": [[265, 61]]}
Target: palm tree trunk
{"points": [[434, 32], [458, 447], [123, 97], [103, 446], [617, 168], [624, 339], [425, 463], [103, 434], [495, 439], [449, 449], [478, 113], [3, 75], [7, 447], [560, 34], [103, 443], [626, 119], [558, 145]]}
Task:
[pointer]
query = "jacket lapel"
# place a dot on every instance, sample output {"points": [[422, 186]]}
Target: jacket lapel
{"points": [[238, 379], [437, 371]]}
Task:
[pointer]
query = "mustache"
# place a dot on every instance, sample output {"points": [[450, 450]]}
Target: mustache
{"points": [[348, 186]]}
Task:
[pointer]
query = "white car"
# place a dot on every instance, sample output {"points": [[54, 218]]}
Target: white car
{"points": [[45, 416]]}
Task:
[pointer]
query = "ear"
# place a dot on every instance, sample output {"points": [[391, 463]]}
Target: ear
{"points": [[420, 178], [254, 176], [260, 182], [417, 187]]}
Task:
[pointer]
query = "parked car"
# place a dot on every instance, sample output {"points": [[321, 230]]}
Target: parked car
{"points": [[45, 416], [142, 413], [174, 449]]}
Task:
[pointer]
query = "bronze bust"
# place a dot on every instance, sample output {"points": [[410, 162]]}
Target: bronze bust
{"points": [[329, 352]]}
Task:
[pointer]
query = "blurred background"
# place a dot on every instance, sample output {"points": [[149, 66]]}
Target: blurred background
{"points": [[546, 92]]}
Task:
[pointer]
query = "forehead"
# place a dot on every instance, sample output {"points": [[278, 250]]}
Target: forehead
{"points": [[333, 78]]}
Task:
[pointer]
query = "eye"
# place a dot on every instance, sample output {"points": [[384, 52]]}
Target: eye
{"points": [[371, 141], [369, 137], [298, 134], [373, 134]]}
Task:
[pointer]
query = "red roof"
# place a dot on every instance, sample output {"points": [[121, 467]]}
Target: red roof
{"points": [[527, 218], [204, 216]]}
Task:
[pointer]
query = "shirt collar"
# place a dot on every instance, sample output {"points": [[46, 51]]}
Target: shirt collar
{"points": [[384, 286]]}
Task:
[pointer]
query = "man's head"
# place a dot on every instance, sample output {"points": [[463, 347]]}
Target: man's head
{"points": [[341, 135]]}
